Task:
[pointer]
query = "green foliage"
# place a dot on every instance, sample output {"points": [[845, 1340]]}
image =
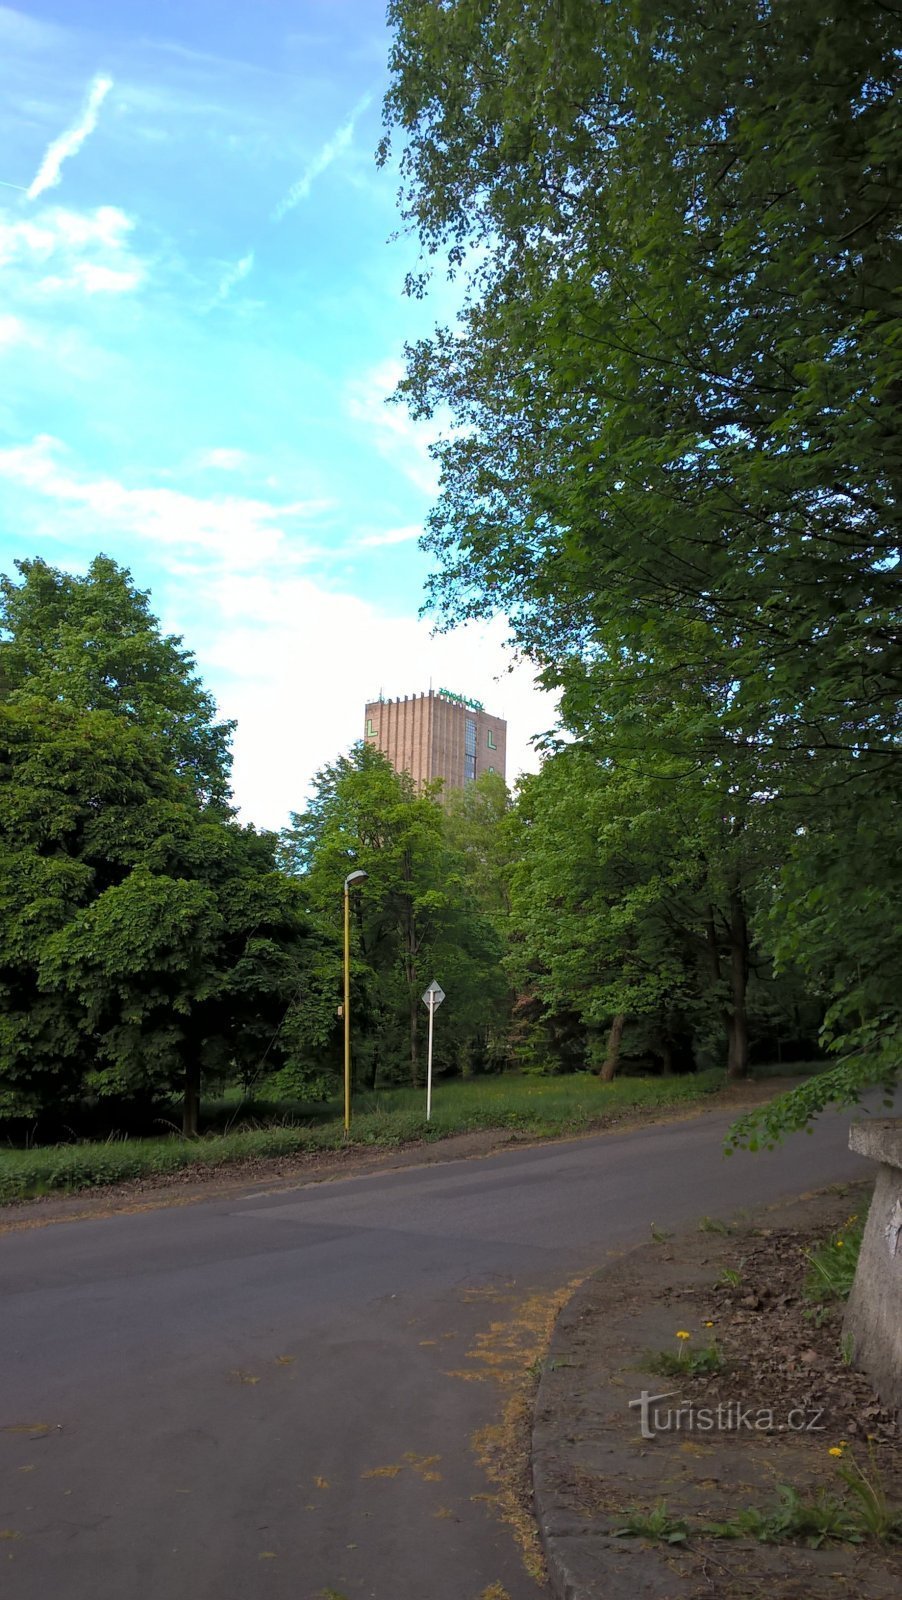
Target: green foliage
{"points": [[417, 916], [685, 1362], [656, 1524], [148, 939], [675, 456], [93, 643], [632, 896], [874, 1512], [831, 1267], [814, 1518]]}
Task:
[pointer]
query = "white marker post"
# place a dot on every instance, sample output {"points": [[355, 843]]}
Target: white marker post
{"points": [[432, 999]]}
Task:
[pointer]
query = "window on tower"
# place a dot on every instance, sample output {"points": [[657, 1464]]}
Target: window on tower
{"points": [[470, 751]]}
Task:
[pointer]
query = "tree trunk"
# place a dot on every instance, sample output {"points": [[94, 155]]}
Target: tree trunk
{"points": [[612, 1059], [414, 1043], [191, 1102], [737, 1016], [711, 945]]}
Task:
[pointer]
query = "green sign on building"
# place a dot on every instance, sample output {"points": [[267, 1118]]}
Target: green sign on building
{"points": [[461, 700]]}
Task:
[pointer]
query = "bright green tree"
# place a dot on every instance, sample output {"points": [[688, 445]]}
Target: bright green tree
{"points": [[93, 643], [414, 918], [635, 901], [675, 386]]}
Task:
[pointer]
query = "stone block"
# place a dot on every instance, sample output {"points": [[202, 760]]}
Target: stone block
{"points": [[873, 1319]]}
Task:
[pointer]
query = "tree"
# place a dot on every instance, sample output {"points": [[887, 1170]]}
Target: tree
{"points": [[94, 643], [147, 941], [675, 382], [414, 917], [479, 831], [634, 902]]}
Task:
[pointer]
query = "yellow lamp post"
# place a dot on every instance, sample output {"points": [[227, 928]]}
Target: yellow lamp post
{"points": [[352, 878]]}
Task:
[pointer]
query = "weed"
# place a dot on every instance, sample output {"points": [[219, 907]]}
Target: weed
{"points": [[684, 1362], [815, 1518], [654, 1524], [731, 1277], [818, 1315], [750, 1523], [659, 1236], [831, 1266], [873, 1511], [713, 1225]]}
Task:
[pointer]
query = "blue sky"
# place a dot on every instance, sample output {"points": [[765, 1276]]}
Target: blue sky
{"points": [[201, 315]]}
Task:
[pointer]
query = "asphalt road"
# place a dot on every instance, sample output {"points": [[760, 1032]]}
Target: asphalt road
{"points": [[275, 1395]]}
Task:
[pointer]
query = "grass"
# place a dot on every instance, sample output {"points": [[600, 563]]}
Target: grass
{"points": [[814, 1518], [831, 1266], [713, 1225], [684, 1362], [544, 1108], [654, 1524]]}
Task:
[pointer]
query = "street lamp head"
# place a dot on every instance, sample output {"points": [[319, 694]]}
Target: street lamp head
{"points": [[354, 877]]}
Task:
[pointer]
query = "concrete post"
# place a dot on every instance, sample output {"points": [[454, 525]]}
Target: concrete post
{"points": [[873, 1317]]}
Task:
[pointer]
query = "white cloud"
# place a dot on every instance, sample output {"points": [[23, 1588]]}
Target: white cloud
{"points": [[323, 159], [295, 664], [93, 279], [397, 437], [379, 541], [231, 278], [70, 142], [14, 331], [238, 531], [60, 250], [222, 459]]}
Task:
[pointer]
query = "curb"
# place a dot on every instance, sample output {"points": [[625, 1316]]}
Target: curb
{"points": [[584, 1560]]}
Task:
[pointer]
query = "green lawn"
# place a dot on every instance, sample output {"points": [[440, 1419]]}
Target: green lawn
{"points": [[542, 1106]]}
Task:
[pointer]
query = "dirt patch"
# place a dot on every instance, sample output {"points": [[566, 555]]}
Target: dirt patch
{"points": [[787, 1348]]}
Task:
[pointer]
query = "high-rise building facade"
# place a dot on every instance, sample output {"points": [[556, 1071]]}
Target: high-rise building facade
{"points": [[438, 735]]}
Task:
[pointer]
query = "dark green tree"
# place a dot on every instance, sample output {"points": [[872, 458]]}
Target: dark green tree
{"points": [[149, 942]]}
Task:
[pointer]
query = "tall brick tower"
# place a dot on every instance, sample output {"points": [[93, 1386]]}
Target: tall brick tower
{"points": [[438, 735]]}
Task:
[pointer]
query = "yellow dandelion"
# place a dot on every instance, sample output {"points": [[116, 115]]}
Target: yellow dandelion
{"points": [[682, 1334], [709, 1324], [834, 1450], [839, 1244]]}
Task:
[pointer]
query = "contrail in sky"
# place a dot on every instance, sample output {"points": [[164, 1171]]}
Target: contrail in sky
{"points": [[231, 277], [69, 143], [323, 159]]}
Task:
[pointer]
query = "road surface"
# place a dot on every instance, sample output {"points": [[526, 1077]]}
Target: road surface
{"points": [[275, 1394]]}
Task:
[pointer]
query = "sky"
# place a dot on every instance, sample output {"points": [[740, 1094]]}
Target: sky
{"points": [[201, 317]]}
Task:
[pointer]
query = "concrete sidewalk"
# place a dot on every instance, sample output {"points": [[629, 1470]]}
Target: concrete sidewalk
{"points": [[593, 1470]]}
